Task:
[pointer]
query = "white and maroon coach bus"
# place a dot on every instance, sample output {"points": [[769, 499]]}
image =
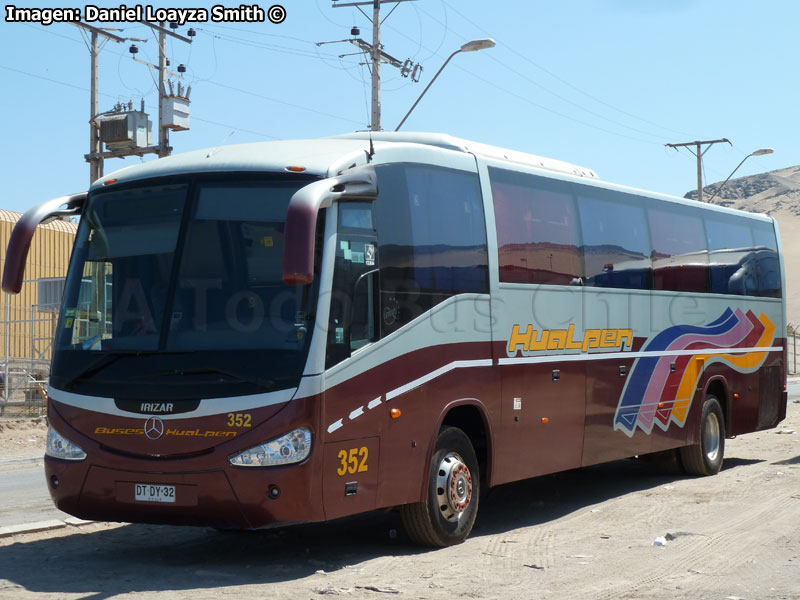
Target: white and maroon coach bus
{"points": [[302, 330]]}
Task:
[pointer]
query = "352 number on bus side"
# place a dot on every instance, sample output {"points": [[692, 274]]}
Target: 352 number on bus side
{"points": [[353, 461]]}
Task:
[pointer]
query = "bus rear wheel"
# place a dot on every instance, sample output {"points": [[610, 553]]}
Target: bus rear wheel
{"points": [[451, 506], [705, 457]]}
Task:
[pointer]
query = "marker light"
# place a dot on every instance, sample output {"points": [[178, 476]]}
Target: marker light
{"points": [[109, 181], [395, 413], [60, 447], [287, 449], [296, 169]]}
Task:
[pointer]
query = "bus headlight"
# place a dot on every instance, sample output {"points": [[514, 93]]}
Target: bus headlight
{"points": [[287, 449], [60, 447]]}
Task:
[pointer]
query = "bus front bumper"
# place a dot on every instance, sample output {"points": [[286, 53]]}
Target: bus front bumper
{"points": [[232, 498]]}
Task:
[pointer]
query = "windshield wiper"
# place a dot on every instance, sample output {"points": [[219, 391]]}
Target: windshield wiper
{"points": [[101, 363], [266, 383]]}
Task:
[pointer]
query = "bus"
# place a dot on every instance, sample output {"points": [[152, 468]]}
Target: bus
{"points": [[297, 331]]}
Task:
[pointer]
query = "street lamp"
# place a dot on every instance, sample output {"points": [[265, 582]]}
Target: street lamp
{"points": [[468, 47], [760, 152]]}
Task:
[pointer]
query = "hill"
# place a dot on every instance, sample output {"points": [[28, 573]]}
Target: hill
{"points": [[777, 194]]}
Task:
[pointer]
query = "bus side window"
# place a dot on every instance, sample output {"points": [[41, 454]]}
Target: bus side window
{"points": [[363, 320], [769, 267], [680, 250], [432, 236], [537, 234], [353, 307], [616, 242], [730, 245]]}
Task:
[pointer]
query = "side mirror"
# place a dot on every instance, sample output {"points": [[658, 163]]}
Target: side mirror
{"points": [[360, 183], [21, 236]]}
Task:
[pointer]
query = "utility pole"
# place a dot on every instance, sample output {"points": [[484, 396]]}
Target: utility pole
{"points": [[163, 148], [95, 161], [376, 54], [375, 121], [96, 156], [698, 152], [96, 165], [163, 132]]}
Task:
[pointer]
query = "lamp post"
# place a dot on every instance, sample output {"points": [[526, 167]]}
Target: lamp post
{"points": [[760, 152], [468, 47]]}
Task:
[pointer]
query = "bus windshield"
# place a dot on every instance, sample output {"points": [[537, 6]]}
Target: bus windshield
{"points": [[189, 273]]}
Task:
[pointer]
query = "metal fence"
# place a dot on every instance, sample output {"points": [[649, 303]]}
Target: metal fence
{"points": [[25, 365], [24, 388], [791, 342]]}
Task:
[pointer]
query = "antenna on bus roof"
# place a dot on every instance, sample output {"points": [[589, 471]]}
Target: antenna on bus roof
{"points": [[371, 151]]}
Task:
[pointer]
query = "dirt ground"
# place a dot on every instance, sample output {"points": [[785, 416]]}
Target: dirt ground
{"points": [[22, 437], [581, 534]]}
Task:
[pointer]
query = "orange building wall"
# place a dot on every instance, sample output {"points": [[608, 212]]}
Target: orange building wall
{"points": [[48, 257]]}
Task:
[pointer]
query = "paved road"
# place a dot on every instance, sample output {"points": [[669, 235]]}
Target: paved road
{"points": [[24, 497]]}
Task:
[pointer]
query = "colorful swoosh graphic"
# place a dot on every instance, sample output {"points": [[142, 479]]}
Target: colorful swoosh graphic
{"points": [[657, 395]]}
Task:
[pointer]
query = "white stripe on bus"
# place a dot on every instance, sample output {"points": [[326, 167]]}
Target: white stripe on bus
{"points": [[540, 359], [550, 358], [458, 364]]}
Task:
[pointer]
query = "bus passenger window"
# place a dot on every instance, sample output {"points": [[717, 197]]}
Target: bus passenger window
{"points": [[616, 244], [680, 251], [730, 246], [432, 237], [768, 264], [537, 238]]}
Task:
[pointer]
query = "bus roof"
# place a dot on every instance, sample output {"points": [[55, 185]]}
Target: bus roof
{"points": [[325, 156], [443, 140]]}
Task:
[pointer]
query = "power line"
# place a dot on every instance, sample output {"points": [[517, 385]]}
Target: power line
{"points": [[261, 33], [262, 45], [83, 89], [564, 81], [297, 106], [266, 135], [545, 108]]}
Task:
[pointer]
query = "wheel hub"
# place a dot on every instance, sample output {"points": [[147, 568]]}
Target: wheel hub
{"points": [[711, 437], [453, 487]]}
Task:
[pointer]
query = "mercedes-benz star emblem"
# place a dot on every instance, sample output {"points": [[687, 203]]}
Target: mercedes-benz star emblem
{"points": [[154, 428]]}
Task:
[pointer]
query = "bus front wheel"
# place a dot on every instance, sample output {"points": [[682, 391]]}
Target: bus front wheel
{"points": [[448, 513], [705, 457]]}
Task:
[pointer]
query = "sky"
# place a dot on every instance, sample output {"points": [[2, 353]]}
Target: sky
{"points": [[603, 84]]}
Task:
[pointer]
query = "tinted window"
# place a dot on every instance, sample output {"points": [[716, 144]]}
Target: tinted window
{"points": [[432, 238], [730, 243], [353, 298], [448, 232], [537, 237], [768, 271], [680, 251], [616, 245]]}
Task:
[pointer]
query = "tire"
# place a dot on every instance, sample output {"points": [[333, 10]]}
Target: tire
{"points": [[705, 457], [451, 506]]}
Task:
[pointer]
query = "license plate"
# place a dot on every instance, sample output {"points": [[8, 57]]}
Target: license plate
{"points": [[149, 492]]}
